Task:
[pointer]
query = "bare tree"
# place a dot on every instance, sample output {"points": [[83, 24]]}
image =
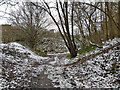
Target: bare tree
{"points": [[31, 20], [86, 17], [92, 21], [87, 21], [7, 4], [64, 25], [119, 14], [78, 19]]}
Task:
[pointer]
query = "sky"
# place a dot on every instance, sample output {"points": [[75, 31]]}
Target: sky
{"points": [[6, 8], [2, 15]]}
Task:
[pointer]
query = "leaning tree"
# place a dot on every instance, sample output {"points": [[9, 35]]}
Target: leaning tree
{"points": [[64, 22]]}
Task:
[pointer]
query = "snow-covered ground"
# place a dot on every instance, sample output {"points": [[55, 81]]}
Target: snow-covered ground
{"points": [[95, 73], [102, 71], [19, 65]]}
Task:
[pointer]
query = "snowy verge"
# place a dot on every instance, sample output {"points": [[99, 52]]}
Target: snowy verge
{"points": [[106, 45], [18, 65], [99, 72]]}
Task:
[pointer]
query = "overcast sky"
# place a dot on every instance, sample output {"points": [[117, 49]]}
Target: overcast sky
{"points": [[6, 8], [2, 15]]}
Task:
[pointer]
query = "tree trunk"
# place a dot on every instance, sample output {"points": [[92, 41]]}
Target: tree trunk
{"points": [[106, 21], [111, 30], [119, 15], [72, 50], [71, 43]]}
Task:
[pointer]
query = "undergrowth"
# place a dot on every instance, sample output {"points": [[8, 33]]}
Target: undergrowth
{"points": [[86, 49], [40, 53]]}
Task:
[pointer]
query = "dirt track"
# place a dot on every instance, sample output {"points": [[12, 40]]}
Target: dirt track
{"points": [[41, 81]]}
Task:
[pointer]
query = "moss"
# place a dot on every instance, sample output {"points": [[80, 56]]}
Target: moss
{"points": [[101, 44], [60, 51], [84, 64], [69, 56], [86, 49], [41, 53], [3, 73], [113, 68], [117, 36], [51, 50]]}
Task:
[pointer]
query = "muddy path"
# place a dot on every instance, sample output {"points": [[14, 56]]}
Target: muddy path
{"points": [[42, 81]]}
